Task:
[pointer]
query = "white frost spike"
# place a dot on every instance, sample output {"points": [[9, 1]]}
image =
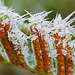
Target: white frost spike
{"points": [[67, 18], [37, 18], [58, 19], [28, 12], [72, 44], [64, 52], [34, 38], [53, 53], [72, 29], [71, 21], [73, 58], [73, 52], [44, 13], [1, 2]]}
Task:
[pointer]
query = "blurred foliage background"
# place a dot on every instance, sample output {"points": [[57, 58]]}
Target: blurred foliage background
{"points": [[64, 7]]}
